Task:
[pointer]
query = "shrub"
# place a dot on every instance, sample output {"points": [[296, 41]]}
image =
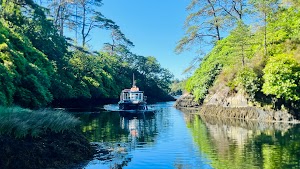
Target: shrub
{"points": [[6, 86], [282, 78], [204, 78], [249, 81], [19, 122]]}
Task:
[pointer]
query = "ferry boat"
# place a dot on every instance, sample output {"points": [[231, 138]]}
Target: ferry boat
{"points": [[132, 99]]}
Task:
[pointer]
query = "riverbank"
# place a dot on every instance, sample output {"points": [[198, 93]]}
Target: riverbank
{"points": [[50, 150], [233, 107], [41, 139]]}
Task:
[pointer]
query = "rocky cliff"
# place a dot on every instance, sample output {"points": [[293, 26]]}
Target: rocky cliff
{"points": [[223, 104]]}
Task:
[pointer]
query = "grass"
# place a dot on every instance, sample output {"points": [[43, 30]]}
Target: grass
{"points": [[19, 122]]}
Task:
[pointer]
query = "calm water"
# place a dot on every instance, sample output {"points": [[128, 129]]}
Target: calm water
{"points": [[170, 138]]}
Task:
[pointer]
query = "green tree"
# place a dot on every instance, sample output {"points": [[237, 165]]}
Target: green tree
{"points": [[265, 8], [91, 18], [236, 9], [203, 24], [26, 71], [118, 41], [61, 12], [177, 87], [249, 81], [241, 40], [282, 78]]}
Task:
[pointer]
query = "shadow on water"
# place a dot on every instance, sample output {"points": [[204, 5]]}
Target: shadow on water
{"points": [[232, 143]]}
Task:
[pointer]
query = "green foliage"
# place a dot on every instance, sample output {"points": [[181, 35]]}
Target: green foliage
{"points": [[20, 122], [62, 85], [262, 61], [38, 65], [282, 77], [99, 74], [203, 78], [240, 41], [25, 72], [152, 78], [284, 27], [249, 81], [7, 88], [32, 93], [177, 87], [223, 57]]}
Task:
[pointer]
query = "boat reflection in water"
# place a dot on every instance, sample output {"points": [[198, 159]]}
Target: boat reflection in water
{"points": [[140, 126]]}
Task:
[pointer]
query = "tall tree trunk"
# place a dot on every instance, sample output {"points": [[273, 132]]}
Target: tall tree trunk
{"points": [[240, 13], [76, 21], [83, 26], [215, 20], [243, 56], [265, 34], [61, 26]]}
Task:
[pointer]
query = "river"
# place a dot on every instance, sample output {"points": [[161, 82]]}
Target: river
{"points": [[170, 138]]}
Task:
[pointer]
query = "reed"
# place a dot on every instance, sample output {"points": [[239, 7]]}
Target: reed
{"points": [[20, 122]]}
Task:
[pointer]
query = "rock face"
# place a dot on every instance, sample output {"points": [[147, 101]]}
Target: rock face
{"points": [[222, 104], [220, 98], [247, 113], [186, 101], [223, 97]]}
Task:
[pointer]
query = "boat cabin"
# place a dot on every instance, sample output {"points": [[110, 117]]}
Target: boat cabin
{"points": [[132, 95], [132, 99]]}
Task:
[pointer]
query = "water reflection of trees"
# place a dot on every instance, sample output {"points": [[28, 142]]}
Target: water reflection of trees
{"points": [[118, 133], [103, 127], [118, 127], [231, 143]]}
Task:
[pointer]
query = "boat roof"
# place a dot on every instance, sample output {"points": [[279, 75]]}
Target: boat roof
{"points": [[131, 91]]}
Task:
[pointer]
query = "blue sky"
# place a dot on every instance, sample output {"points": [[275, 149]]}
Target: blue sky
{"points": [[153, 26]]}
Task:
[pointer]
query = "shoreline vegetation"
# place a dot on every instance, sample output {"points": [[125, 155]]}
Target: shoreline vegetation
{"points": [[40, 66], [255, 62], [41, 139]]}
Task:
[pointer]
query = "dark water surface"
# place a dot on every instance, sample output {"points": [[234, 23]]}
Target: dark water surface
{"points": [[169, 138]]}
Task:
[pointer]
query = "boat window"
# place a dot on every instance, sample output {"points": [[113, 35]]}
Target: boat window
{"points": [[136, 96], [126, 96], [132, 96]]}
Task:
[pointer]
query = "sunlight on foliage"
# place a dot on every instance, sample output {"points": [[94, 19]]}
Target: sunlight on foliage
{"points": [[38, 65], [262, 61], [282, 77], [249, 81]]}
